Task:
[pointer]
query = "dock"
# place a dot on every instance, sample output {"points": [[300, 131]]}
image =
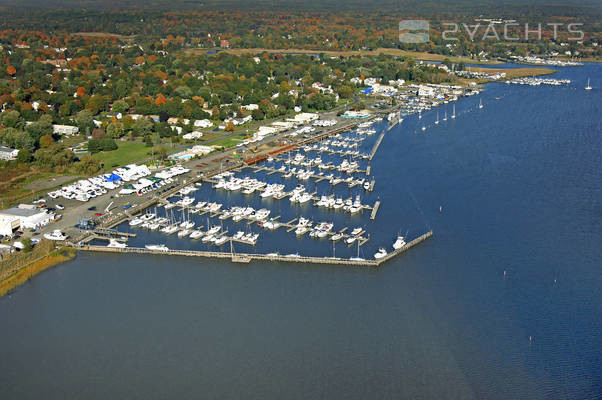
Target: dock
{"points": [[376, 145], [248, 257], [375, 210]]}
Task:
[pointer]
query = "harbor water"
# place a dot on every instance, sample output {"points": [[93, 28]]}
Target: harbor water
{"points": [[504, 302]]}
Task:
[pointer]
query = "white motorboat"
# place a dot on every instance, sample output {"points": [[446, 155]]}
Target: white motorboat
{"points": [[380, 254], [399, 243], [184, 232], [157, 247], [116, 244], [56, 235]]}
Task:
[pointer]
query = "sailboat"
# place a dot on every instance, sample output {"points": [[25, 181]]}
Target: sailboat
{"points": [[453, 116], [588, 87], [437, 120], [423, 128], [445, 116], [419, 114], [480, 103]]}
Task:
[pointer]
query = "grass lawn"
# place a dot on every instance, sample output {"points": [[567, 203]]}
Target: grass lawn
{"points": [[512, 73], [127, 153], [227, 141]]}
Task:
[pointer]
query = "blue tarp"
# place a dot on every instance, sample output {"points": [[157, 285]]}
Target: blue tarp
{"points": [[367, 90], [113, 178]]}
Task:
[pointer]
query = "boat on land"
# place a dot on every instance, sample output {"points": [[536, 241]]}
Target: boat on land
{"points": [[56, 235]]}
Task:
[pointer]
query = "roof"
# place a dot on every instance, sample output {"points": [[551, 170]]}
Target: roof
{"points": [[6, 149], [21, 212]]}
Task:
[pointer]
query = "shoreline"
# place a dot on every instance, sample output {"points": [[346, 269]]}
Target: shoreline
{"points": [[35, 267]]}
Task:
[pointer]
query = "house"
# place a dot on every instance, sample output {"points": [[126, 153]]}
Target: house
{"points": [[193, 135], [203, 123], [224, 44], [6, 153], [65, 129], [426, 91], [23, 217]]}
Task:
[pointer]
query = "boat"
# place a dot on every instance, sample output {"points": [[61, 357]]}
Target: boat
{"points": [[157, 247], [399, 243], [588, 87], [357, 231], [480, 103], [453, 116], [118, 245], [184, 232], [380, 254], [437, 120], [56, 235], [336, 237], [366, 185], [221, 240], [196, 234], [423, 128]]}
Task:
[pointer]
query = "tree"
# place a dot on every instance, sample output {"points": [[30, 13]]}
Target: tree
{"points": [[88, 165], [46, 140], [142, 126], [24, 156], [120, 106], [27, 245], [84, 121], [107, 144], [94, 146], [148, 141], [11, 70], [12, 119], [98, 133], [229, 126], [115, 130]]}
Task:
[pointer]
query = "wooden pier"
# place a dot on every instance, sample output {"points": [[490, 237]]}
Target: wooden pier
{"points": [[375, 210], [248, 257], [376, 145]]}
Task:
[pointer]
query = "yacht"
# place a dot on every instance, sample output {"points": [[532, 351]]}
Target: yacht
{"points": [[56, 235], [399, 243], [588, 87], [184, 232], [336, 237], [221, 240], [357, 231], [157, 247], [118, 245], [196, 234], [380, 254]]}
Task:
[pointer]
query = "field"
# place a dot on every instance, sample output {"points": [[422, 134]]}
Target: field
{"points": [[512, 73], [127, 153], [347, 53]]}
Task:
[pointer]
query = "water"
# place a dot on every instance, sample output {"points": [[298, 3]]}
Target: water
{"points": [[519, 184]]}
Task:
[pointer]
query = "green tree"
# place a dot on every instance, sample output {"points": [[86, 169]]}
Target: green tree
{"points": [[115, 130], [84, 121]]}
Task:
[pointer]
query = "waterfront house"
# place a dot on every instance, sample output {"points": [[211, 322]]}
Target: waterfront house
{"points": [[6, 153]]}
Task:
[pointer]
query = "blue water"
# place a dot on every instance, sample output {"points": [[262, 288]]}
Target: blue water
{"points": [[519, 185]]}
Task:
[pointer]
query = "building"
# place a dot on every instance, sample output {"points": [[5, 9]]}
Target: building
{"points": [[65, 129], [224, 44], [23, 217], [6, 153]]}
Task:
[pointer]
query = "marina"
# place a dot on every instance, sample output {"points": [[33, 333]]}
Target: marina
{"points": [[247, 204]]}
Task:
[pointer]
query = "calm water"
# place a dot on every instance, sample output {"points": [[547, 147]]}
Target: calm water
{"points": [[519, 182]]}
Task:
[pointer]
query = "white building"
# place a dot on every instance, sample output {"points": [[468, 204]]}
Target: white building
{"points": [[23, 217], [193, 135], [6, 153], [203, 123], [65, 129]]}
